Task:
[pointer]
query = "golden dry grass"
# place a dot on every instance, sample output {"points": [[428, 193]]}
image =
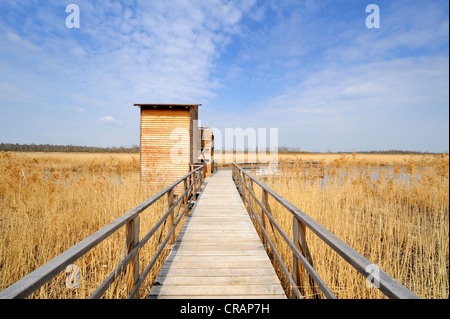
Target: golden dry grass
{"points": [[392, 209], [51, 201], [397, 218]]}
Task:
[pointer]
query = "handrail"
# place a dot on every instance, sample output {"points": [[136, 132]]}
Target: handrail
{"points": [[385, 283], [33, 281]]}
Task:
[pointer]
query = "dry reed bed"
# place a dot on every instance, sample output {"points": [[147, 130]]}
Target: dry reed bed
{"points": [[51, 201], [393, 210]]}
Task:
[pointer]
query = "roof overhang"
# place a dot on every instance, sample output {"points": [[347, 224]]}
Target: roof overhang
{"points": [[164, 106]]}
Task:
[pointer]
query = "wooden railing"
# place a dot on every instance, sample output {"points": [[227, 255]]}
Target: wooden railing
{"points": [[302, 260], [192, 182]]}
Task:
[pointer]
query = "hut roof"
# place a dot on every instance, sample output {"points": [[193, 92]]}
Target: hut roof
{"points": [[165, 106]]}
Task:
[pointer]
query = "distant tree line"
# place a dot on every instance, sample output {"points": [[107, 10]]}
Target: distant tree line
{"points": [[385, 152], [66, 148], [135, 149], [284, 149]]}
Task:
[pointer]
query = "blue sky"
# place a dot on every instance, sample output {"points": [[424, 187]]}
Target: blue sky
{"points": [[312, 69]]}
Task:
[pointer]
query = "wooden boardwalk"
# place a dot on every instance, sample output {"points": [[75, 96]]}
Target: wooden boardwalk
{"points": [[218, 254]]}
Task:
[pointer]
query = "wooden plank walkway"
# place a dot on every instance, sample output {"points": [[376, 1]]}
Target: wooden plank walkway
{"points": [[218, 254]]}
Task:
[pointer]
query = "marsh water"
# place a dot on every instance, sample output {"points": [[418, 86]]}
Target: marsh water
{"points": [[372, 174]]}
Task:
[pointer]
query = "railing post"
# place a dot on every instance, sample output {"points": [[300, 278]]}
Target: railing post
{"points": [[186, 196], [203, 176], [297, 267], [132, 240], [200, 177], [299, 237], [243, 183], [194, 187], [169, 204], [248, 191], [265, 202], [238, 180], [191, 192], [251, 198]]}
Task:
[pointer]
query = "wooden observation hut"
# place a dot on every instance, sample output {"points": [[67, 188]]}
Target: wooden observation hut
{"points": [[170, 142]]}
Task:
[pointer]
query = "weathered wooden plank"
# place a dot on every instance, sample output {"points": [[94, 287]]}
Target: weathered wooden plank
{"points": [[221, 290], [214, 232], [241, 228], [215, 258], [237, 253], [224, 221], [205, 237], [217, 264], [235, 241], [226, 226], [204, 233], [219, 272], [218, 297], [216, 280], [218, 240], [200, 247], [222, 212], [202, 214]]}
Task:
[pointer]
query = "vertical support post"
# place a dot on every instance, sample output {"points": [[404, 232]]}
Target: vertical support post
{"points": [[265, 202], [252, 191], [246, 192], [238, 177], [299, 231], [297, 267], [243, 183], [203, 176], [190, 183], [169, 204], [186, 196], [194, 188], [132, 240]]}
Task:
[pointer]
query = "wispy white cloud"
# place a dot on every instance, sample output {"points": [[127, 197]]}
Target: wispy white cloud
{"points": [[123, 53], [158, 47], [109, 120]]}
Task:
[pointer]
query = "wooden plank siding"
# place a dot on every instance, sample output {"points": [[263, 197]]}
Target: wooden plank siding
{"points": [[193, 134], [167, 139]]}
